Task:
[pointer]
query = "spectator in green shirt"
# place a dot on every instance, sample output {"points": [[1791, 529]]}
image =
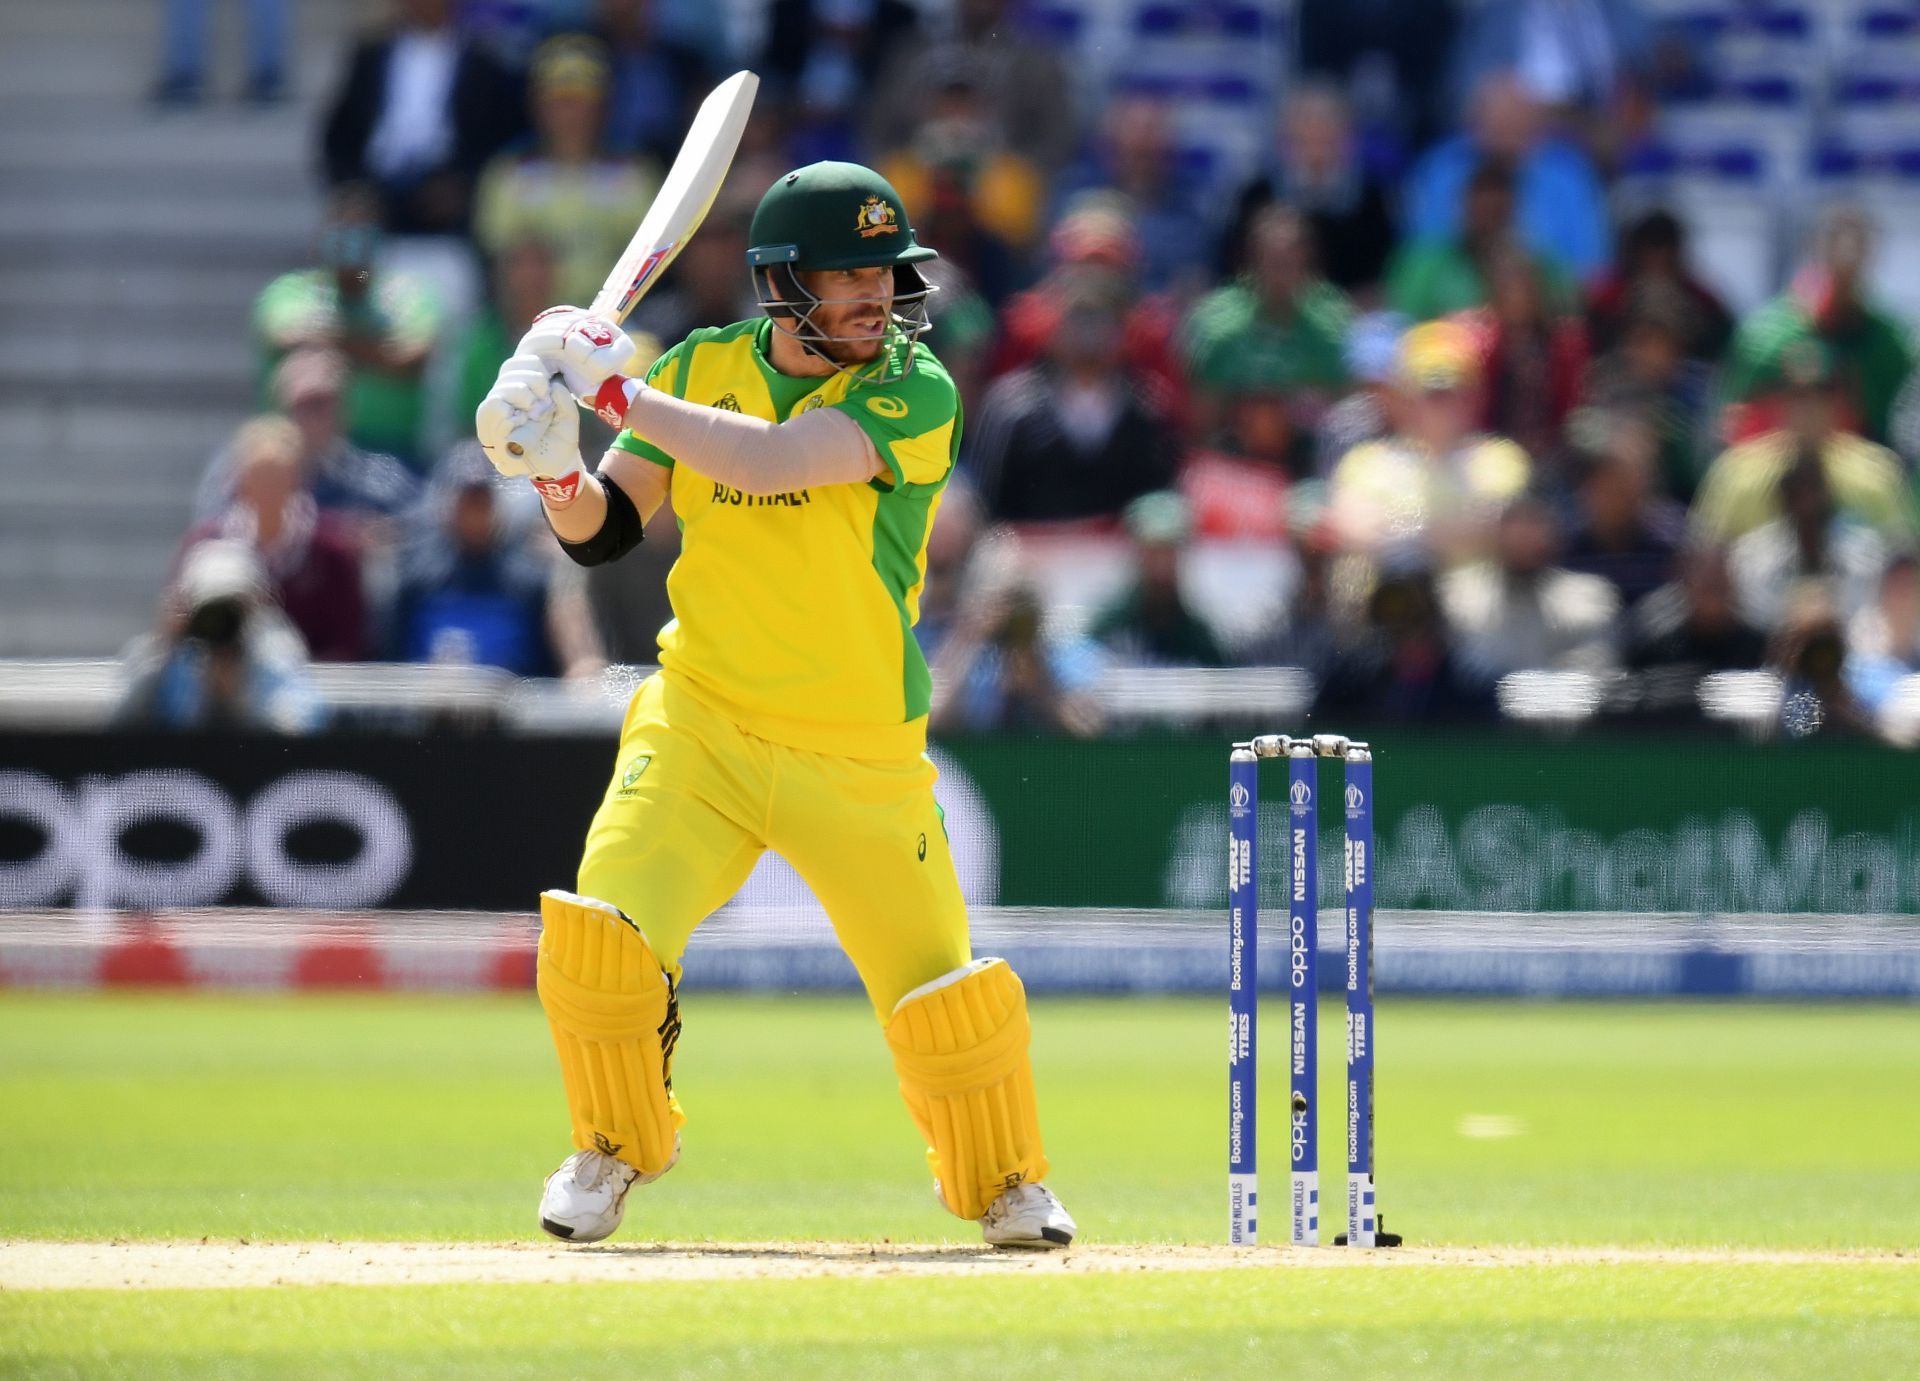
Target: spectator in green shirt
{"points": [[384, 323], [1872, 353], [1151, 624], [1279, 326], [1441, 275]]}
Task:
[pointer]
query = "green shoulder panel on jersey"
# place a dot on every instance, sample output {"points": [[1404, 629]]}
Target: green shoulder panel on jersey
{"points": [[669, 374], [914, 421]]}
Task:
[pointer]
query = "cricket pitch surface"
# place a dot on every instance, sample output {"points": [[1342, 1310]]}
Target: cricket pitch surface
{"points": [[31, 1265]]}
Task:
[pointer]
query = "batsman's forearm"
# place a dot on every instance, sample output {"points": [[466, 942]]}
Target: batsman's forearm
{"points": [[582, 516], [752, 454]]}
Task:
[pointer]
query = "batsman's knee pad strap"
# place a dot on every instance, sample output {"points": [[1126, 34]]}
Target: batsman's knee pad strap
{"points": [[615, 1020], [960, 1048]]}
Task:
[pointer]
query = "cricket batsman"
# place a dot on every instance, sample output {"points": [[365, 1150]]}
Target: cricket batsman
{"points": [[805, 452]]}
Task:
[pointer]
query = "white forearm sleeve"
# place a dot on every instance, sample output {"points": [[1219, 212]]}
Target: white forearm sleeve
{"points": [[752, 454]]}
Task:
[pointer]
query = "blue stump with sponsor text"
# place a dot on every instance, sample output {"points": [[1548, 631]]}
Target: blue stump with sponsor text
{"points": [[1243, 877], [1358, 861], [1303, 1045], [1243, 943]]}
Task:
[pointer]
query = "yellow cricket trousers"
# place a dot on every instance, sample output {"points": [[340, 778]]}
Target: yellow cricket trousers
{"points": [[695, 799]]}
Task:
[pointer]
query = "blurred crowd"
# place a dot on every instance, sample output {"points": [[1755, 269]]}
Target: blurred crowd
{"points": [[1403, 402]]}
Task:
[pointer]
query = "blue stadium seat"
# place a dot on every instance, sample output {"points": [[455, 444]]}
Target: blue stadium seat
{"points": [[1198, 162], [1732, 163], [1194, 85], [1770, 111], [1835, 164], [1241, 20], [1876, 111], [1711, 23], [1724, 186], [1248, 22], [1882, 42], [1060, 25], [1157, 86], [1218, 64], [1784, 23], [1745, 45], [1881, 24], [1161, 21], [1229, 88], [1697, 24]]}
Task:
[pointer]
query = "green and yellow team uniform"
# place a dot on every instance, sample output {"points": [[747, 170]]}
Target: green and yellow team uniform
{"points": [[790, 709], [790, 713]]}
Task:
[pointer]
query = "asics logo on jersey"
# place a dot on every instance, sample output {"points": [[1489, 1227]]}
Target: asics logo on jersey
{"points": [[886, 405]]}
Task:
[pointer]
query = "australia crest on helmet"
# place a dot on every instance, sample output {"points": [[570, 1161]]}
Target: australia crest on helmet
{"points": [[877, 217]]}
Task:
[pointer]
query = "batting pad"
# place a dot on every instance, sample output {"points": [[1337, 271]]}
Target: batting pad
{"points": [[615, 1020], [960, 1047]]}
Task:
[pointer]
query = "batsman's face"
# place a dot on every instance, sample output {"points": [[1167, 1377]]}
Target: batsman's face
{"points": [[856, 307]]}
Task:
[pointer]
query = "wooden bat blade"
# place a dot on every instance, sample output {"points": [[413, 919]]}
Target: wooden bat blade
{"points": [[690, 187]]}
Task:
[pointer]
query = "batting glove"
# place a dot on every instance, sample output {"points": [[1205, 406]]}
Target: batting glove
{"points": [[583, 349], [528, 425]]}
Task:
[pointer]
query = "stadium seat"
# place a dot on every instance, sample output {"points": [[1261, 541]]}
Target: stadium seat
{"points": [[1879, 35], [1772, 111], [1725, 191], [1057, 25], [1246, 21], [1876, 111], [1218, 67]]}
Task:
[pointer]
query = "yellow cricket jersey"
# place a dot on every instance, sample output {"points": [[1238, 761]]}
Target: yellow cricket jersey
{"points": [[794, 613]]}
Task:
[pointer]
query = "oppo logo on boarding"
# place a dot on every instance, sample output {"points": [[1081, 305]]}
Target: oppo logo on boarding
{"points": [[84, 828]]}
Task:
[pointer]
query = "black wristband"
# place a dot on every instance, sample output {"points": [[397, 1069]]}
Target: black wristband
{"points": [[620, 531]]}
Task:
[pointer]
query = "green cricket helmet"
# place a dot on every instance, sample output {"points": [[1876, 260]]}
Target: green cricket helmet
{"points": [[834, 216]]}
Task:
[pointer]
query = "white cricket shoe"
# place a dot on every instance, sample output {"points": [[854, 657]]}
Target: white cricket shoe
{"points": [[585, 1198], [1027, 1215]]}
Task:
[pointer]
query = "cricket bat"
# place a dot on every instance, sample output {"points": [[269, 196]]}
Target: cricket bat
{"points": [[684, 198], [681, 204]]}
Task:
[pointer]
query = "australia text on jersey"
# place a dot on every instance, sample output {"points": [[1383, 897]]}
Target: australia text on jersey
{"points": [[726, 494]]}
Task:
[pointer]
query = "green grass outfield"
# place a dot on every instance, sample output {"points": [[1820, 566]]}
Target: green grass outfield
{"points": [[1788, 1130]]}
